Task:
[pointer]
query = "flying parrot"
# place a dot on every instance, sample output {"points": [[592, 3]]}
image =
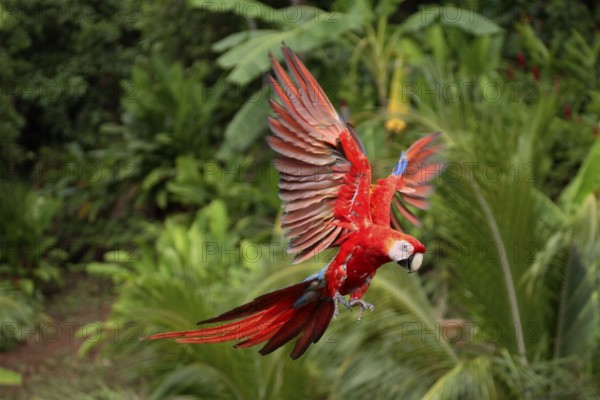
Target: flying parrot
{"points": [[328, 201]]}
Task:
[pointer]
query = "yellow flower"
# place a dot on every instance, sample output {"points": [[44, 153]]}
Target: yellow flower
{"points": [[398, 102], [395, 125]]}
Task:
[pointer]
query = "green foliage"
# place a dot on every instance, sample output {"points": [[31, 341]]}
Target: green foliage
{"points": [[508, 247], [585, 182], [395, 352], [577, 321], [451, 16], [193, 271], [181, 32], [29, 257], [303, 28], [172, 108], [247, 187], [507, 307], [18, 312], [63, 71], [28, 251], [169, 112], [573, 66], [57, 83], [247, 125], [171, 127], [362, 29]]}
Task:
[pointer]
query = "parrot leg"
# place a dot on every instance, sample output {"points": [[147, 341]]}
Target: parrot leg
{"points": [[337, 299], [363, 306]]}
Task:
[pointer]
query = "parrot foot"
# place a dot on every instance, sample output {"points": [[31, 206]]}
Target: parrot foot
{"points": [[339, 299], [363, 306]]}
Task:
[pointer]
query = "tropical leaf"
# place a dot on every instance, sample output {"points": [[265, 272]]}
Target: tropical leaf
{"points": [[407, 350], [471, 379], [170, 291], [238, 38], [385, 8], [468, 20], [246, 126], [18, 311], [249, 59], [542, 379], [244, 8], [579, 311], [585, 182], [449, 15]]}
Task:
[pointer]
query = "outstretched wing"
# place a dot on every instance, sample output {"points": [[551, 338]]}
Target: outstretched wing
{"points": [[324, 172], [416, 169]]}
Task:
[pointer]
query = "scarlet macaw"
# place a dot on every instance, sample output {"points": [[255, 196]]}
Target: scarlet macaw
{"points": [[329, 201]]}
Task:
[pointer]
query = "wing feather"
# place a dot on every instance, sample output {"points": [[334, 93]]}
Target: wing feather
{"points": [[415, 186], [324, 172], [298, 153]]}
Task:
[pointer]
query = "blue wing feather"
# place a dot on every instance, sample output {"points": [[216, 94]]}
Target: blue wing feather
{"points": [[401, 165]]}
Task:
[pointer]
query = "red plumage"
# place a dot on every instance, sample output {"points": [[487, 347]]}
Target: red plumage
{"points": [[328, 201], [274, 318]]}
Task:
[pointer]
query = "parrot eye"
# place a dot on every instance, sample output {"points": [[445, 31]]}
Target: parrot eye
{"points": [[401, 250]]}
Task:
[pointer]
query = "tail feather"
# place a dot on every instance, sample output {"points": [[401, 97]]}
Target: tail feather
{"points": [[260, 303], [322, 321], [289, 330], [218, 331], [314, 329], [304, 340], [303, 310]]}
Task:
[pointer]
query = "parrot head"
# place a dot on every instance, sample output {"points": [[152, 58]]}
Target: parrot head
{"points": [[407, 252]]}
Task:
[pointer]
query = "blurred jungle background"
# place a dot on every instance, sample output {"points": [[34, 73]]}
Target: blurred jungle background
{"points": [[137, 196]]}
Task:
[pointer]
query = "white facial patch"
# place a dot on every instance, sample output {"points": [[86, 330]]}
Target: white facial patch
{"points": [[401, 250]]}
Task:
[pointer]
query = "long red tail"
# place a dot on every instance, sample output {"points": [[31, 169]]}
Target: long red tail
{"points": [[278, 317]]}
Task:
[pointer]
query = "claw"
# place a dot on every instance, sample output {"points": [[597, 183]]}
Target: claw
{"points": [[363, 306], [338, 298]]}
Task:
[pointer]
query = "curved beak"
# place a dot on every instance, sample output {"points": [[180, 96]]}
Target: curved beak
{"points": [[406, 263], [412, 263]]}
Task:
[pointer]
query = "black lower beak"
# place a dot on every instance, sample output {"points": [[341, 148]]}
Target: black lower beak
{"points": [[406, 263]]}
